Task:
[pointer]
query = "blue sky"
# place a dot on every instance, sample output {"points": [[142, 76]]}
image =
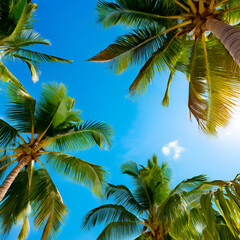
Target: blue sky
{"points": [[142, 127]]}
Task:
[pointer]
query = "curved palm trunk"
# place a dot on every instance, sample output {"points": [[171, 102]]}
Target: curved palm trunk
{"points": [[12, 175], [229, 36]]}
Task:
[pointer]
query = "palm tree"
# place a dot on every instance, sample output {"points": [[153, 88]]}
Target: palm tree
{"points": [[219, 208], [38, 134], [197, 37], [16, 33], [152, 210]]}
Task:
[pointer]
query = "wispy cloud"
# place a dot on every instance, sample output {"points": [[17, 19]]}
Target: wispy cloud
{"points": [[172, 147]]}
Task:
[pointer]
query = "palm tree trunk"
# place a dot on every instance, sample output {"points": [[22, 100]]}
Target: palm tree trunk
{"points": [[12, 175], [229, 36]]}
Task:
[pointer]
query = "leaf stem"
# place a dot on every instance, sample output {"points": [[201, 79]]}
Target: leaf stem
{"points": [[201, 6], [14, 155], [23, 141], [192, 6], [6, 165], [211, 4], [182, 6]]}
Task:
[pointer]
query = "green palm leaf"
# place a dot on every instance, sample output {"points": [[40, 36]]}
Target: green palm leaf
{"points": [[122, 195], [6, 75], [130, 13], [106, 214], [165, 57], [24, 230], [85, 136], [48, 207], [25, 17], [32, 64], [21, 108], [54, 109], [77, 170], [26, 38], [37, 56], [120, 230], [132, 48]]}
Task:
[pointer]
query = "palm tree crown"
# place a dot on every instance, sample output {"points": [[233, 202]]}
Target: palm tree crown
{"points": [[152, 210], [41, 133], [16, 33], [196, 209], [191, 36]]}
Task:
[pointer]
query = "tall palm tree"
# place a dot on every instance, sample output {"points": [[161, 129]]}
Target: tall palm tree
{"points": [[16, 33], [38, 134], [197, 37], [152, 210]]}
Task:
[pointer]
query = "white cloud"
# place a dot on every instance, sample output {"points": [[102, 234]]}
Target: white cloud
{"points": [[172, 147]]}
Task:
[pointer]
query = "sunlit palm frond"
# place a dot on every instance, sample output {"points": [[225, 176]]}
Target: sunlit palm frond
{"points": [[77, 170], [122, 195], [54, 108], [224, 87], [26, 38], [37, 56], [24, 19], [85, 136], [6, 75], [107, 214], [48, 208], [32, 64], [231, 17], [21, 108], [24, 230]]}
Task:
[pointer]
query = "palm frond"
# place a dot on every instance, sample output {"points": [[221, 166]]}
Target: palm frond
{"points": [[85, 136], [37, 56], [208, 212], [224, 86], [24, 230], [77, 170], [131, 13], [132, 48], [164, 58], [7, 134], [231, 17], [32, 65], [54, 109], [107, 214], [25, 18], [6, 75], [21, 108], [122, 195], [130, 168], [26, 38], [48, 208], [120, 230]]}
